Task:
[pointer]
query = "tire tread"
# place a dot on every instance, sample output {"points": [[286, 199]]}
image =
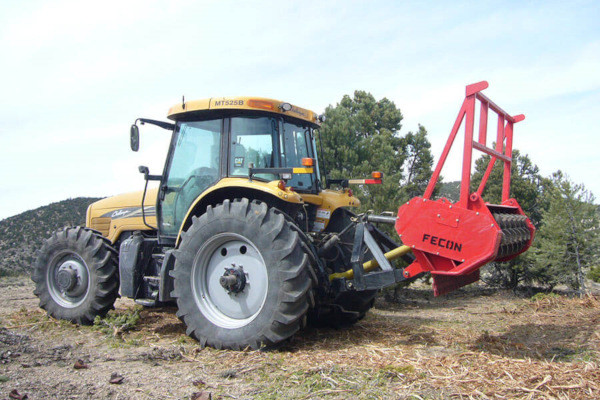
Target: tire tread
{"points": [[102, 261], [295, 295]]}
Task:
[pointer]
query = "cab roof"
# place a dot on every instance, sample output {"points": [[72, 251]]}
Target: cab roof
{"points": [[180, 111]]}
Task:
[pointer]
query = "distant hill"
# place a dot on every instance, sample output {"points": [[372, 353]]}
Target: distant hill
{"points": [[22, 235]]}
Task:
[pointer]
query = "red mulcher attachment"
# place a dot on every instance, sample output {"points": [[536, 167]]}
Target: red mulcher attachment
{"points": [[454, 240]]}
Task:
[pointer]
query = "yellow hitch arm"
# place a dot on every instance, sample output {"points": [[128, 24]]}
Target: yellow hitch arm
{"points": [[372, 264]]}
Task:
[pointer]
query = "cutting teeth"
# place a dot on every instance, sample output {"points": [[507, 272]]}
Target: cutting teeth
{"points": [[515, 233]]}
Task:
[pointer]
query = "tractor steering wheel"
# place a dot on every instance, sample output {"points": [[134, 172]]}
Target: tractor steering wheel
{"points": [[202, 178]]}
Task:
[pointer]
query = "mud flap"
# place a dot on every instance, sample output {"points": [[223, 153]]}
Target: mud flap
{"points": [[443, 284]]}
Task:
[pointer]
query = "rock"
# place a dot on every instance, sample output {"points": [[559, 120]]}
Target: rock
{"points": [[201, 396], [14, 395], [116, 378], [198, 382]]}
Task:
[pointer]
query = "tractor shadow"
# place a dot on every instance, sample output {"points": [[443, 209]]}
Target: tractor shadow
{"points": [[162, 321], [550, 342], [373, 330], [424, 299]]}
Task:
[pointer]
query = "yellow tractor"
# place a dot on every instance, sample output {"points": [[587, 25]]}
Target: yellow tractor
{"points": [[242, 234]]}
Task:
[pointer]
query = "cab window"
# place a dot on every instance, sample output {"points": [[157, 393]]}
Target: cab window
{"points": [[194, 166], [296, 145], [254, 142]]}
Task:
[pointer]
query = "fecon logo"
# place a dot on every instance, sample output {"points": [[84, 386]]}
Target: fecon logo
{"points": [[441, 242]]}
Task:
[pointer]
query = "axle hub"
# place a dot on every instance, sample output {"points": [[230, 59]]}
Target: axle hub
{"points": [[66, 279], [234, 279]]}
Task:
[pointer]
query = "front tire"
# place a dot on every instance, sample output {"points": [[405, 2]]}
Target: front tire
{"points": [[241, 278], [76, 275]]}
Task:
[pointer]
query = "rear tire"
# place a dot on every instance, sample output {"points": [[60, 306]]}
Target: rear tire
{"points": [[258, 242], [76, 275]]}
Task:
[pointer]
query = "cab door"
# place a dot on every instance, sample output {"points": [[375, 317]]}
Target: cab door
{"points": [[194, 164]]}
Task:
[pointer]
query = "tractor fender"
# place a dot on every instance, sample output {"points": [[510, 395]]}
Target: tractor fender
{"points": [[230, 188]]}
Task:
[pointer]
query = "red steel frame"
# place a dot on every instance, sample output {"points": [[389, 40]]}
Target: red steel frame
{"points": [[503, 150], [453, 240]]}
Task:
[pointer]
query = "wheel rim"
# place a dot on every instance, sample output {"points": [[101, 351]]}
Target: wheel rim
{"points": [[68, 280], [229, 309]]}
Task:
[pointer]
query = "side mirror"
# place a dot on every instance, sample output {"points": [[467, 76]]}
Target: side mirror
{"points": [[134, 138], [143, 170]]}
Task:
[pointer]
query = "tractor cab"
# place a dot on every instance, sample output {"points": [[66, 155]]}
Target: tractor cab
{"points": [[233, 139]]}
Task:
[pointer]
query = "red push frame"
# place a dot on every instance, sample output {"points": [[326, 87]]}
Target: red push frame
{"points": [[504, 142], [454, 240]]}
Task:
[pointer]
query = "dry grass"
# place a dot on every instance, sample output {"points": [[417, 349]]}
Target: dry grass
{"points": [[538, 349], [467, 346]]}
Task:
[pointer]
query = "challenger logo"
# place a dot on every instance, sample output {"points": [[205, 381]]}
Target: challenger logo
{"points": [[441, 242], [130, 212], [118, 213]]}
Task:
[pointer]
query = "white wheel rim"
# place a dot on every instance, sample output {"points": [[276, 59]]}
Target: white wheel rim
{"points": [[227, 309], [76, 293]]}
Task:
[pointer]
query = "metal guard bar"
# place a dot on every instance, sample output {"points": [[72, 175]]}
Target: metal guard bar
{"points": [[503, 150]]}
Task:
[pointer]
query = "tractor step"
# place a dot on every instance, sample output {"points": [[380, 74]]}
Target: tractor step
{"points": [[152, 279], [146, 302], [151, 301]]}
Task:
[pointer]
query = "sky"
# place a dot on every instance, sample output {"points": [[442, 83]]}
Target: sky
{"points": [[75, 75]]}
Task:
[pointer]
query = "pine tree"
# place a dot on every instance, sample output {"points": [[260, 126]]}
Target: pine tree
{"points": [[569, 239], [418, 164], [361, 135], [528, 187]]}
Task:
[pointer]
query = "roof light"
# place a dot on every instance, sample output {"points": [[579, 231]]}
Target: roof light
{"points": [[265, 105], [285, 107], [377, 174]]}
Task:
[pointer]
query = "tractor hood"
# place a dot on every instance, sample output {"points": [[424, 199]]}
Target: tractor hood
{"points": [[114, 214], [126, 200]]}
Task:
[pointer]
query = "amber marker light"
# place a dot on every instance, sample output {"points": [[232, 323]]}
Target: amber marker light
{"points": [[377, 175], [308, 162], [265, 105], [281, 184]]}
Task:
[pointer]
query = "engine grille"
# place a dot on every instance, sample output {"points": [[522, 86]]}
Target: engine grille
{"points": [[101, 224]]}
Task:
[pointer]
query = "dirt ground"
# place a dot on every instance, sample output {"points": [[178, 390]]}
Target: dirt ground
{"points": [[473, 344]]}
